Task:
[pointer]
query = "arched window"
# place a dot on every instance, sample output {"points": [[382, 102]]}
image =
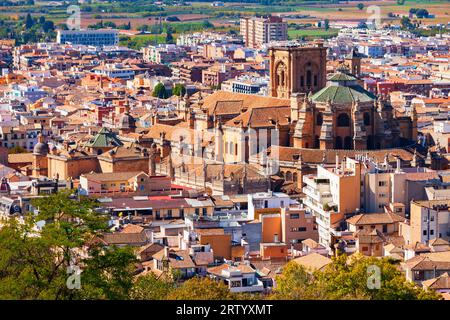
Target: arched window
{"points": [[308, 78], [231, 147], [347, 143], [369, 142], [236, 149], [295, 176], [282, 174], [343, 120], [316, 142], [366, 119], [280, 75], [288, 176], [319, 119], [338, 143]]}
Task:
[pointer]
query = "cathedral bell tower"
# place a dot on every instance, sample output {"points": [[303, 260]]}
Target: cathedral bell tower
{"points": [[297, 69]]}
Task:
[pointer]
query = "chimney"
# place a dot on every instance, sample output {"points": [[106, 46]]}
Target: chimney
{"points": [[166, 252], [399, 169]]}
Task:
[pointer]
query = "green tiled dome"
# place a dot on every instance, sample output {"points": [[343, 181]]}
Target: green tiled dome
{"points": [[104, 138], [343, 88]]}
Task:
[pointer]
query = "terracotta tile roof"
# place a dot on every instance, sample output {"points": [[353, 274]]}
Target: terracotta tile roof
{"points": [[312, 244], [132, 228], [111, 176], [439, 283], [375, 218], [125, 238], [234, 101], [122, 152], [209, 232], [177, 259], [317, 155], [430, 261], [20, 158], [262, 117]]}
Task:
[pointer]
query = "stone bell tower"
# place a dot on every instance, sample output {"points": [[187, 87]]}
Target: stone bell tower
{"points": [[297, 69]]}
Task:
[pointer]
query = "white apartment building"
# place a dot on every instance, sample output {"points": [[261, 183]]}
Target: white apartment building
{"points": [[163, 53], [115, 70], [263, 200], [331, 194], [101, 37], [258, 31]]}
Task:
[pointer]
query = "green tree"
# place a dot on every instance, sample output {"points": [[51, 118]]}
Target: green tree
{"points": [[326, 24], [201, 289], [422, 13], [34, 263], [406, 24], [160, 91], [348, 278], [169, 37], [179, 90], [360, 6], [148, 287], [29, 22]]}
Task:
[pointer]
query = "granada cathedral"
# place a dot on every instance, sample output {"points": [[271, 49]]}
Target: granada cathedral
{"points": [[334, 112]]}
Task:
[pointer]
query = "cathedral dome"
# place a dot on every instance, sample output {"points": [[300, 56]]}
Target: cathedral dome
{"points": [[41, 148], [343, 88]]}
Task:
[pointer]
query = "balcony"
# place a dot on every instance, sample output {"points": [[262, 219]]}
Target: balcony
{"points": [[314, 182], [324, 196], [256, 287]]}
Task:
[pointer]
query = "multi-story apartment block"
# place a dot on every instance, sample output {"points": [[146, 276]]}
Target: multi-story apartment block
{"points": [[258, 31], [101, 37], [163, 53], [428, 220], [332, 194]]}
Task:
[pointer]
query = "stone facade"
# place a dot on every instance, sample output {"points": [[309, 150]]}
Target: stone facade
{"points": [[298, 69]]}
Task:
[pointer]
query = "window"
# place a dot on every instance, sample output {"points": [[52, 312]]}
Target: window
{"points": [[308, 78], [338, 143], [431, 232], [169, 213], [343, 120], [205, 212], [385, 229], [294, 216], [302, 229], [365, 249], [366, 119], [431, 218], [361, 227], [319, 119], [424, 232], [381, 183]]}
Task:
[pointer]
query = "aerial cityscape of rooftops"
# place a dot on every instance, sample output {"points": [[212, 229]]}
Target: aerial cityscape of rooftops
{"points": [[225, 150]]}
